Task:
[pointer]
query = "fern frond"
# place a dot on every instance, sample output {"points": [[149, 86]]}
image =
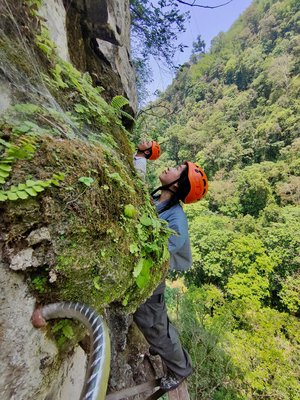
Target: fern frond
{"points": [[29, 188], [125, 114], [118, 102]]}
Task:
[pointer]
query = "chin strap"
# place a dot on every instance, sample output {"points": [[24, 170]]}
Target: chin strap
{"points": [[143, 151], [166, 187]]}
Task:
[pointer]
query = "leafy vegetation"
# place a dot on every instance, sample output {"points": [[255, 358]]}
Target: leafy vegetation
{"points": [[235, 110], [60, 122], [63, 331], [155, 27], [23, 149]]}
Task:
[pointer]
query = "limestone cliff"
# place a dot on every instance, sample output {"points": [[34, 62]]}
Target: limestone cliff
{"points": [[76, 222], [95, 36]]}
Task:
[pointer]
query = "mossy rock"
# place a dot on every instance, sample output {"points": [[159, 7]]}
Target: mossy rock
{"points": [[90, 235], [94, 246]]}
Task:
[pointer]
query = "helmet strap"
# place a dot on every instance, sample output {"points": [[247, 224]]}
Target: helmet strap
{"points": [[166, 187], [143, 151]]}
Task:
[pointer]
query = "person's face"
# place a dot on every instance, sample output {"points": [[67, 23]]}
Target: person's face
{"points": [[144, 145], [171, 174]]}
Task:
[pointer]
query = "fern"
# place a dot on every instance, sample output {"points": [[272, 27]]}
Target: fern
{"points": [[125, 114], [118, 102], [29, 188], [44, 43], [23, 150]]}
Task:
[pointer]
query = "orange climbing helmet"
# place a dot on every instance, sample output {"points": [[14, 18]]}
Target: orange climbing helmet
{"points": [[192, 185], [198, 183], [154, 151]]}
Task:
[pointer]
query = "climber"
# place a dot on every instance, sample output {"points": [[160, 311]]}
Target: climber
{"points": [[187, 183], [145, 150]]}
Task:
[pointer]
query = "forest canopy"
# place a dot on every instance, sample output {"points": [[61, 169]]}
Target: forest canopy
{"points": [[155, 27], [236, 111]]}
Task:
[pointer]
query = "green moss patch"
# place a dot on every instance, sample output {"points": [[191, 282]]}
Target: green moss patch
{"points": [[63, 132]]}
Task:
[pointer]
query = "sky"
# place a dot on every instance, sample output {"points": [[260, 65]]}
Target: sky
{"points": [[205, 22]]}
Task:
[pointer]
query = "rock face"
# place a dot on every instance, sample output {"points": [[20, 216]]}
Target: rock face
{"points": [[31, 365], [66, 237], [95, 36], [54, 13], [5, 96], [27, 355]]}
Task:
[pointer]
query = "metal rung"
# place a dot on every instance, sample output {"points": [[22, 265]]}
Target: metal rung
{"points": [[156, 395], [151, 385], [180, 393]]}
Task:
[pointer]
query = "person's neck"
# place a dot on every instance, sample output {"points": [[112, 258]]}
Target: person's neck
{"points": [[165, 195], [140, 154]]}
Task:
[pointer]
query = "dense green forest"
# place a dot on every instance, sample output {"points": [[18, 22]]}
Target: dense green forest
{"points": [[236, 111]]}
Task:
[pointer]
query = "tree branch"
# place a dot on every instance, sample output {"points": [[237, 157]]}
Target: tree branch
{"points": [[201, 6], [158, 105]]}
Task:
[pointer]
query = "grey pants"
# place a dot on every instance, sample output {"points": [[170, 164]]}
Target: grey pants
{"points": [[152, 319]]}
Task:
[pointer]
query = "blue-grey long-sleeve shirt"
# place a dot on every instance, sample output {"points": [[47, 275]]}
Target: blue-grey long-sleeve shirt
{"points": [[179, 245]]}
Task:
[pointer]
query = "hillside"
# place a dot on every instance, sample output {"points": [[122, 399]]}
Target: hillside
{"points": [[236, 111]]}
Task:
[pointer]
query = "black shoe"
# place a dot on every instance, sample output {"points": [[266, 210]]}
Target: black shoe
{"points": [[152, 352], [170, 381]]}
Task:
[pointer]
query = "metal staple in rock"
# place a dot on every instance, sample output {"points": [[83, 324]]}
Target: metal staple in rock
{"points": [[97, 372]]}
